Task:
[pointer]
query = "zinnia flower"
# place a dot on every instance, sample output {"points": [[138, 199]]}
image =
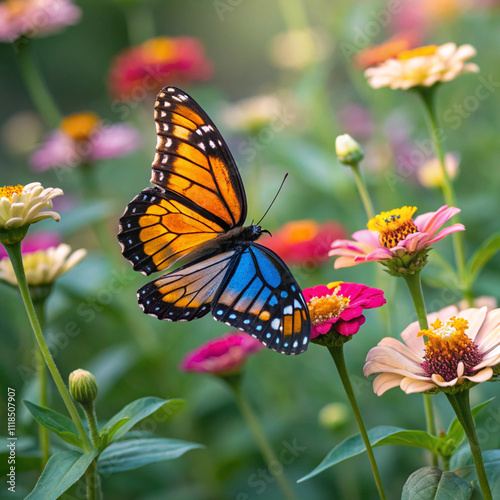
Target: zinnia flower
{"points": [[423, 66], [144, 69], [223, 355], [341, 306], [304, 241], [430, 173], [34, 18], [24, 205], [43, 267], [462, 346], [83, 137], [395, 239]]}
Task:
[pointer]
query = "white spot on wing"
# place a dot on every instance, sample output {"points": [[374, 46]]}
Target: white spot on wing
{"points": [[275, 324], [288, 310]]}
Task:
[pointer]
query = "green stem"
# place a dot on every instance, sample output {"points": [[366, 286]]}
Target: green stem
{"points": [[14, 252], [266, 450], [428, 97], [140, 22], [92, 476], [446, 463], [43, 399], [36, 86], [460, 403], [337, 353], [294, 14], [363, 192], [415, 286]]}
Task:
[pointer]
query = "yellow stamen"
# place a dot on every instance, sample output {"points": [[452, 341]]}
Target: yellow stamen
{"points": [[321, 309], [393, 226], [428, 50], [158, 49], [8, 191], [80, 125]]}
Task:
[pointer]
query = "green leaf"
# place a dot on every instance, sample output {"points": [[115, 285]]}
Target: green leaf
{"points": [[481, 257], [455, 430], [491, 459], [379, 436], [111, 431], [134, 453], [135, 412], [57, 423], [63, 469], [431, 483]]}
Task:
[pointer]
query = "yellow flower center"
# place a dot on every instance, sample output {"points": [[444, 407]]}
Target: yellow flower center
{"points": [[428, 50], [321, 309], [158, 49], [79, 125], [393, 226], [297, 232], [447, 346], [16, 8], [8, 191]]}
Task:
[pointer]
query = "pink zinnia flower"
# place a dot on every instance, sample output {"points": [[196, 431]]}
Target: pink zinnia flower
{"points": [[34, 18], [461, 346], [395, 235], [304, 241], [222, 355], [32, 242], [83, 137], [340, 305], [144, 69]]}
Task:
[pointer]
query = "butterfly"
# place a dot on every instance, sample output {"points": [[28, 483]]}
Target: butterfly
{"points": [[194, 216]]}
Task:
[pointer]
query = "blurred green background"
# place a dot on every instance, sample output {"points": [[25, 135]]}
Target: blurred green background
{"points": [[134, 355]]}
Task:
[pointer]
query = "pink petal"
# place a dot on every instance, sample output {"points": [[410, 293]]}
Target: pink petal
{"points": [[385, 381], [432, 221], [412, 386], [489, 334], [445, 232], [349, 327]]}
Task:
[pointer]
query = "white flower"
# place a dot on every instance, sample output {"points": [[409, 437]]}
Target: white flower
{"points": [[423, 66], [348, 150], [462, 345], [24, 205], [43, 266]]}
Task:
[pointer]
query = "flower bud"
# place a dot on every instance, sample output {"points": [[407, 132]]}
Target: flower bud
{"points": [[349, 152], [333, 416], [83, 386]]}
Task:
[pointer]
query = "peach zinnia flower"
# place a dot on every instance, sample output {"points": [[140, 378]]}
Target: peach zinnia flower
{"points": [[462, 346], [423, 66], [395, 235]]}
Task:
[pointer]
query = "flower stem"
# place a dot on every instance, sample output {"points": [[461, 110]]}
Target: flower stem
{"points": [[337, 353], [428, 97], [265, 448], [92, 476], [460, 403], [415, 286], [14, 252], [43, 400], [363, 192], [36, 86]]}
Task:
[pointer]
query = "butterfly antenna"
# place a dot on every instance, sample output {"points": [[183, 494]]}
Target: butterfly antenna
{"points": [[274, 199]]}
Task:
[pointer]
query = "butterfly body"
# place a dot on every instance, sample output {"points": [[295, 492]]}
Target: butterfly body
{"points": [[194, 216]]}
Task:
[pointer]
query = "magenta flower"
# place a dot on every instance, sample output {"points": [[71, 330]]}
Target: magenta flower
{"points": [[340, 305], [32, 242], [35, 18], [223, 355], [84, 138], [395, 236]]}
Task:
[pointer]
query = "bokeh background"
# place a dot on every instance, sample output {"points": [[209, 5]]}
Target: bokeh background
{"points": [[301, 54]]}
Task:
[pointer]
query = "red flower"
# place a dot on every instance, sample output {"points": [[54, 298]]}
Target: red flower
{"points": [[304, 241], [145, 69], [222, 355], [340, 305]]}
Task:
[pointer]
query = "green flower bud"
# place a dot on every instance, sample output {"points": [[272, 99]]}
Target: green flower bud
{"points": [[349, 152], [333, 416], [83, 386]]}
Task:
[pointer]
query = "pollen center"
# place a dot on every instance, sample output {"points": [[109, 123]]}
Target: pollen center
{"points": [[79, 125], [8, 191], [428, 50], [322, 309], [394, 226], [447, 347]]}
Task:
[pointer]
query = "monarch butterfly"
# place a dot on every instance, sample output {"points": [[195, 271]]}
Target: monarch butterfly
{"points": [[195, 214]]}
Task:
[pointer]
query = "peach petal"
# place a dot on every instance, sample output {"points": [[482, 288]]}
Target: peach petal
{"points": [[481, 376], [384, 382], [412, 386]]}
